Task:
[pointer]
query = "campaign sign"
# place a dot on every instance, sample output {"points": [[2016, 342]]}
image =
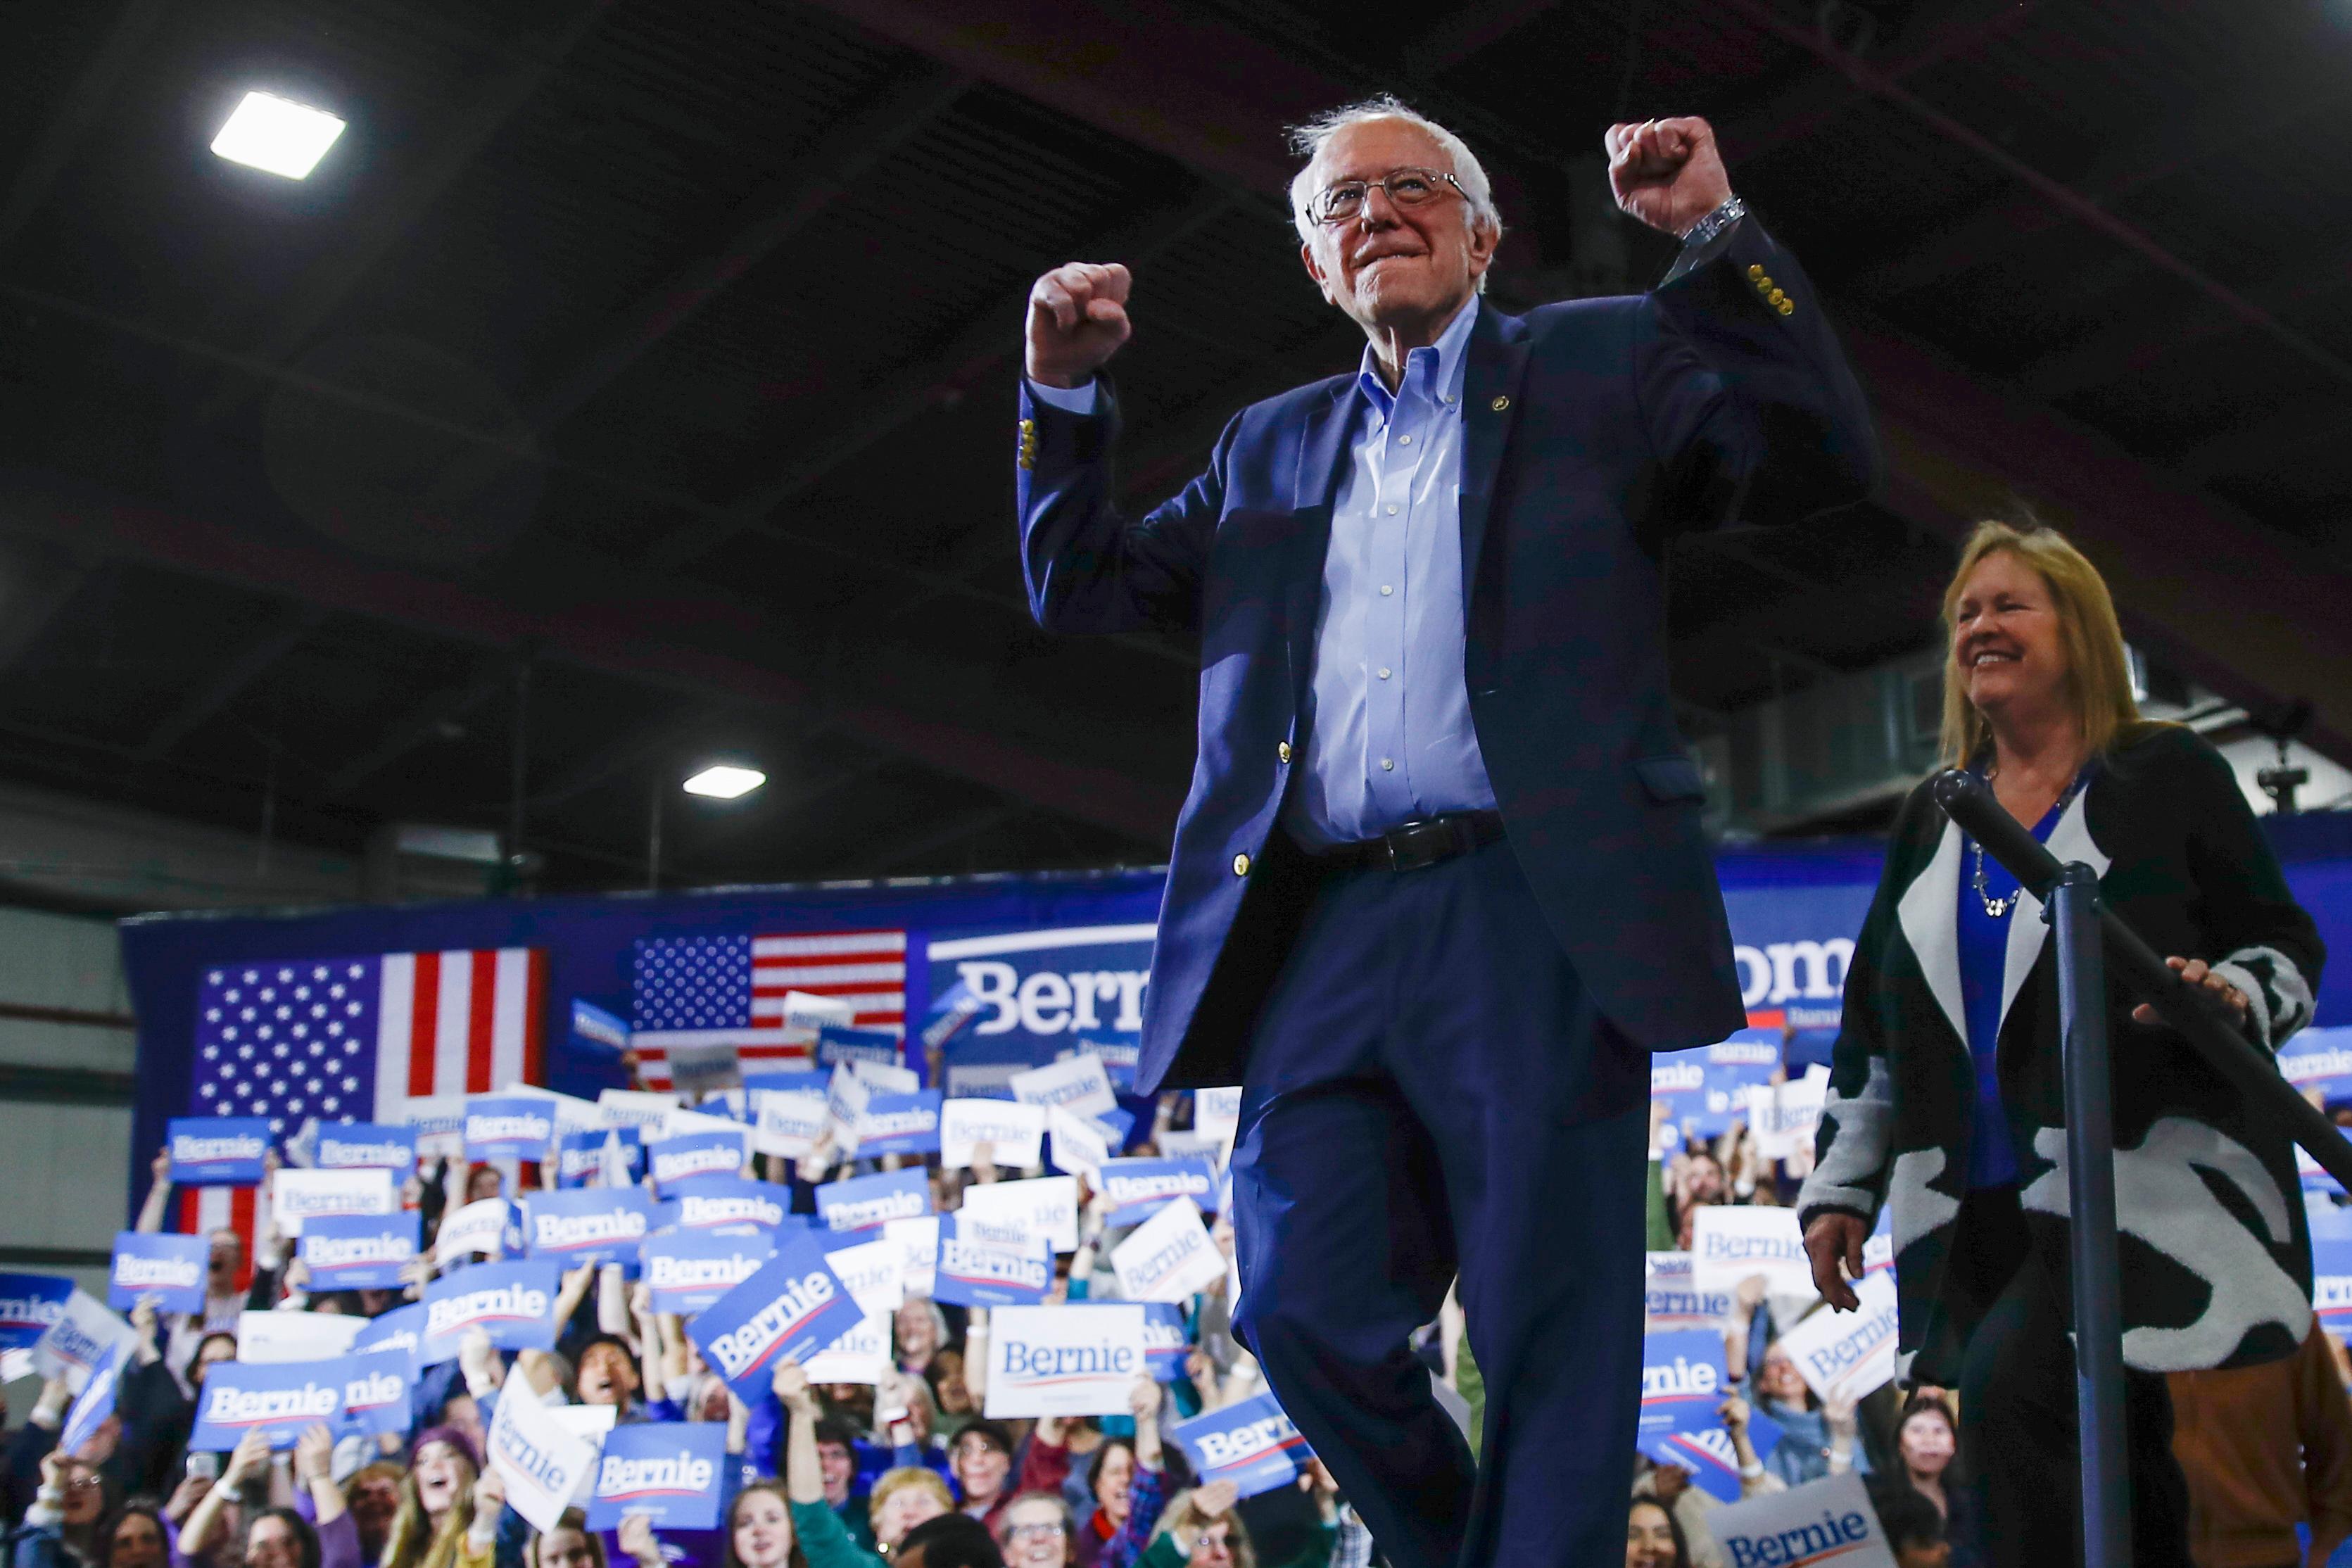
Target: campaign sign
{"points": [[1165, 1343], [1728, 1243], [899, 1124], [1169, 1256], [884, 1079], [706, 1152], [592, 1224], [1217, 1113], [1014, 1132], [83, 1331], [731, 1205], [1034, 995], [29, 1305], [1708, 1088], [299, 1195], [1079, 1085], [367, 1144], [377, 1392], [1142, 1187], [870, 1271], [1711, 1457], [167, 1269], [217, 1151], [1792, 1115], [838, 1045], [509, 1127], [865, 1201], [1047, 1204], [644, 1109], [360, 1252], [794, 1306], [1251, 1444], [788, 1120], [1683, 1384], [2331, 1283], [94, 1404], [593, 1158], [439, 1122], [1848, 1355], [543, 1463], [917, 1241], [270, 1338], [603, 1032], [1670, 1301], [399, 1332], [278, 1400], [686, 1273], [1080, 1143], [844, 1107], [479, 1227], [513, 1304], [669, 1473], [2319, 1059], [1063, 1360], [1828, 1521], [985, 1265]]}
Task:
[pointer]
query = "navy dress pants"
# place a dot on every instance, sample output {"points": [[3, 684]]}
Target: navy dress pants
{"points": [[1430, 1089]]}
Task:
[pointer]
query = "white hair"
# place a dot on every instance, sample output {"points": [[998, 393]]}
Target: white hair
{"points": [[1309, 137]]}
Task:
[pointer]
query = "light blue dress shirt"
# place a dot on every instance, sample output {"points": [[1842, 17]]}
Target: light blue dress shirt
{"points": [[1389, 737]]}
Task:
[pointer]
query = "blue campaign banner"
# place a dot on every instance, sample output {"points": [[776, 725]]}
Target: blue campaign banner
{"points": [[167, 1269], [1141, 1188], [364, 1145], [1252, 1444], [899, 1124], [1035, 994], [2319, 1059], [719, 1152], [980, 1265], [794, 1306], [219, 1150], [2331, 1283], [686, 1273], [1706, 1087], [94, 1402], [863, 1202], [1794, 917], [580, 1156], [1166, 1346], [788, 1080], [278, 1400], [589, 1225], [399, 1332], [29, 1305], [729, 1205], [598, 1033], [360, 1252], [671, 1473], [1708, 1455], [513, 1304], [1682, 1386], [378, 1396], [509, 1127], [837, 1046]]}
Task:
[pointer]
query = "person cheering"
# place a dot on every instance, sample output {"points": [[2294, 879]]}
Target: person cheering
{"points": [[1946, 1096]]}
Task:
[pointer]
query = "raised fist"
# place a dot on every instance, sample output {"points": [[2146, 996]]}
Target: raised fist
{"points": [[1666, 172], [1078, 320]]}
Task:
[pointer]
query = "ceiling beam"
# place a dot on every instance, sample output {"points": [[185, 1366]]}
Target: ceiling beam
{"points": [[229, 681], [493, 675], [385, 217], [2294, 427], [944, 715], [78, 110], [875, 860]]}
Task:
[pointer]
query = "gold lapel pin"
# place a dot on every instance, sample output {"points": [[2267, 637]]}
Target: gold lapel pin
{"points": [[1500, 404]]}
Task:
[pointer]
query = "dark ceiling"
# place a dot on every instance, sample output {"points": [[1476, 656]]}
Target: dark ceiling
{"points": [[632, 384]]}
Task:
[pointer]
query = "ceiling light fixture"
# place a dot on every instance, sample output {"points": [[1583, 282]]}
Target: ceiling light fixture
{"points": [[723, 781], [278, 135]]}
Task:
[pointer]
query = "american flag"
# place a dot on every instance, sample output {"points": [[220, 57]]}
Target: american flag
{"points": [[729, 990], [355, 1039]]}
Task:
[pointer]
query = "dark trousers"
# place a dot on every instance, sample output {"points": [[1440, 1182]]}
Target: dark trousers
{"points": [[1430, 1088], [2018, 1431]]}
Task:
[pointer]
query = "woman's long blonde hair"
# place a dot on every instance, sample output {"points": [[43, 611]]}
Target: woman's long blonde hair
{"points": [[2099, 672], [414, 1541]]}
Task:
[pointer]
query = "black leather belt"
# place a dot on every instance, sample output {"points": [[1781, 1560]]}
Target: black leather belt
{"points": [[1416, 844]]}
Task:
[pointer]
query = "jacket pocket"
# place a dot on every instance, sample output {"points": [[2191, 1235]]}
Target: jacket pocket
{"points": [[1666, 779]]}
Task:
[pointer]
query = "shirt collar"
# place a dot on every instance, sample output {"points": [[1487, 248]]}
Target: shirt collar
{"points": [[1435, 372]]}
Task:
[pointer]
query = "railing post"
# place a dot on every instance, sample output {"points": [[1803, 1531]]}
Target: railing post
{"points": [[2073, 913]]}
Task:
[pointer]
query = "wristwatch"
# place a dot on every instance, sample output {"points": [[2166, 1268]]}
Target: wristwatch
{"points": [[1730, 211]]}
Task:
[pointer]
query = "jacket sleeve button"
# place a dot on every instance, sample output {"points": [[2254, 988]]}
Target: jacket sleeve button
{"points": [[1241, 865], [1282, 750]]}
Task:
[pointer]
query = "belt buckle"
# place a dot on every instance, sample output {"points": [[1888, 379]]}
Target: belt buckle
{"points": [[1414, 845]]}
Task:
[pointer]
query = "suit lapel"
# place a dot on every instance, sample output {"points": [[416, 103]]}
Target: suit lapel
{"points": [[1490, 403], [1322, 448], [1928, 914], [2069, 841]]}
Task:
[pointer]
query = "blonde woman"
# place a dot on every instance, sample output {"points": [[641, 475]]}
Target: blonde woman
{"points": [[436, 1501], [1945, 1097]]}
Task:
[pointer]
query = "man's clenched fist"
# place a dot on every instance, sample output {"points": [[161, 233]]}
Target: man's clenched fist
{"points": [[1666, 172], [1078, 318]]}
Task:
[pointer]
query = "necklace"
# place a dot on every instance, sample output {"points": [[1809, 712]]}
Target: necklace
{"points": [[1998, 909]]}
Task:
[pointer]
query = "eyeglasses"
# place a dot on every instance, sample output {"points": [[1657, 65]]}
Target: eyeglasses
{"points": [[1342, 202], [1044, 1531]]}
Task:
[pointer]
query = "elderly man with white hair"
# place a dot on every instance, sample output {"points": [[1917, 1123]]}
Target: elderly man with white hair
{"points": [[1439, 888]]}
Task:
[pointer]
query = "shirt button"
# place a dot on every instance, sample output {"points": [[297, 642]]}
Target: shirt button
{"points": [[1404, 440], [1391, 512], [1282, 750], [1386, 590], [1241, 865], [1384, 672], [1388, 764]]}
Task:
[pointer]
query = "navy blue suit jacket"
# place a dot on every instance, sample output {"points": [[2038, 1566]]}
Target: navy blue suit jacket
{"points": [[1595, 429]]}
